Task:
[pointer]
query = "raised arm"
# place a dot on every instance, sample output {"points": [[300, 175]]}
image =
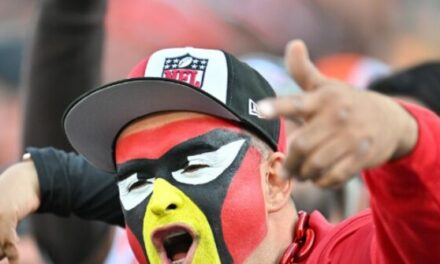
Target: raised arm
{"points": [[64, 61], [405, 199], [397, 144]]}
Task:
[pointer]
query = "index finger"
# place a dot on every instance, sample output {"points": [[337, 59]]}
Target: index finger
{"points": [[292, 107]]}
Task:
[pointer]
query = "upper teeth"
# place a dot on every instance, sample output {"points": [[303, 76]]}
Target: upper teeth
{"points": [[174, 234]]}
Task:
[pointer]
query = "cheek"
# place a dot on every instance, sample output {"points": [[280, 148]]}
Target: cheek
{"points": [[244, 210], [136, 247], [133, 226]]}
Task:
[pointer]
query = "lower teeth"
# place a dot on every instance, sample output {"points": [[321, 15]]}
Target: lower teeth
{"points": [[180, 261]]}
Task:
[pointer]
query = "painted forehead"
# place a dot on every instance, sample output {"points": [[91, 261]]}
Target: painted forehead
{"points": [[154, 141]]}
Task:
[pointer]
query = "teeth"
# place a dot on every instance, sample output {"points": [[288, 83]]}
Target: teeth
{"points": [[180, 261], [175, 234]]}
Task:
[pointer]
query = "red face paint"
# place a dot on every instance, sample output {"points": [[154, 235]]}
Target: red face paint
{"points": [[136, 247], [153, 143], [243, 214]]}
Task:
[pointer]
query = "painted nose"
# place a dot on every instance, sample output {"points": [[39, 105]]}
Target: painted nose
{"points": [[165, 199]]}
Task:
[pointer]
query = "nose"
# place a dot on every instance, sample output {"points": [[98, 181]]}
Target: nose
{"points": [[165, 198]]}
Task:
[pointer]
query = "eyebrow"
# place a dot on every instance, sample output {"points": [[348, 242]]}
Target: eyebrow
{"points": [[180, 153], [192, 128]]}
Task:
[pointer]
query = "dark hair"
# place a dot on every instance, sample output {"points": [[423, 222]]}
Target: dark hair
{"points": [[421, 82]]}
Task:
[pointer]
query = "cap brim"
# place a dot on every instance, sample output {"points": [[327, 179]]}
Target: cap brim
{"points": [[94, 120]]}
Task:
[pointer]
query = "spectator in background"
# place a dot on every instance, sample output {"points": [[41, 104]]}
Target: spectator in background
{"points": [[419, 84], [64, 61]]}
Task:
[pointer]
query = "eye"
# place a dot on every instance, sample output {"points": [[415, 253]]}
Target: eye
{"points": [[138, 184], [206, 167], [133, 191], [194, 167]]}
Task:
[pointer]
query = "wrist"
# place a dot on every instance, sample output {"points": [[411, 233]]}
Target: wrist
{"points": [[25, 174], [408, 131], [35, 186]]}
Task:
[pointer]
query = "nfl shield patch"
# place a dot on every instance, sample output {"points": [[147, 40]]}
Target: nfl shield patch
{"points": [[185, 68]]}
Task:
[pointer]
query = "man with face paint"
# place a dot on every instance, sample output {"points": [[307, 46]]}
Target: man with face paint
{"points": [[193, 195], [206, 194], [200, 169]]}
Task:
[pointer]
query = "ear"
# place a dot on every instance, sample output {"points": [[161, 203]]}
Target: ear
{"points": [[277, 187]]}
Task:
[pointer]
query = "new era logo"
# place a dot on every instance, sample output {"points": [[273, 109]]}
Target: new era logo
{"points": [[185, 68], [253, 109]]}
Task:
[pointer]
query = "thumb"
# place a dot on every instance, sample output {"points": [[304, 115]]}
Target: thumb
{"points": [[300, 67]]}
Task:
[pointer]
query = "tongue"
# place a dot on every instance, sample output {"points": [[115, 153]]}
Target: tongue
{"points": [[179, 255]]}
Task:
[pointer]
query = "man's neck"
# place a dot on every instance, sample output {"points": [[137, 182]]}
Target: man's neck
{"points": [[280, 230]]}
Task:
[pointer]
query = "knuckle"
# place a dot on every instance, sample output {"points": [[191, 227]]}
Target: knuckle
{"points": [[341, 177], [336, 179], [323, 182], [363, 146], [355, 135], [291, 166], [297, 100], [299, 145], [315, 166], [343, 112], [361, 141]]}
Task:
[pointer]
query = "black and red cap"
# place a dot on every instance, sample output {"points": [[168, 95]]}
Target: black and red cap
{"points": [[179, 79]]}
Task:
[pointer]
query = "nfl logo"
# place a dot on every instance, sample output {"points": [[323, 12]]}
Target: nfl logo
{"points": [[185, 68]]}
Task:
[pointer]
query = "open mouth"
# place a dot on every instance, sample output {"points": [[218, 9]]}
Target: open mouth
{"points": [[175, 244]]}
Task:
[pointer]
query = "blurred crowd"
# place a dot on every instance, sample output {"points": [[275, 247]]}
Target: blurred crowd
{"points": [[358, 41]]}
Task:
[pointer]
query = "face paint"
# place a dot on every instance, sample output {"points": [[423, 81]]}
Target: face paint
{"points": [[132, 191], [189, 183], [244, 210], [145, 144], [179, 233], [205, 167]]}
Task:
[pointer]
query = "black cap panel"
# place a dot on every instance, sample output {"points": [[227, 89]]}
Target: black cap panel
{"points": [[246, 88], [94, 121]]}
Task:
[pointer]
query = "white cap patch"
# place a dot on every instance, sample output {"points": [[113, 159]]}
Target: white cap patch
{"points": [[202, 68]]}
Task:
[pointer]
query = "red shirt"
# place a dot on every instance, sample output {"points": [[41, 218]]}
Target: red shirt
{"points": [[403, 224]]}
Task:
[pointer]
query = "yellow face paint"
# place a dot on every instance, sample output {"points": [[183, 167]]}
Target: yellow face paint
{"points": [[185, 213]]}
